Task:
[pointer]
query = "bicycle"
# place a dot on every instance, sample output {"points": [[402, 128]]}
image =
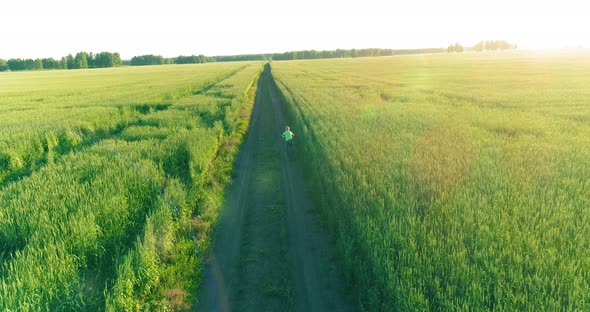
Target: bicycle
{"points": [[290, 150]]}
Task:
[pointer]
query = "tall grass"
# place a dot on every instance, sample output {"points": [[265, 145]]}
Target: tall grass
{"points": [[451, 182], [108, 206]]}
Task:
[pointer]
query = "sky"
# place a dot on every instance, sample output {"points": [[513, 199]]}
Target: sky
{"points": [[55, 28]]}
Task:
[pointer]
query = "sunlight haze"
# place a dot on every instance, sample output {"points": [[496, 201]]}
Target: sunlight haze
{"points": [[37, 29]]}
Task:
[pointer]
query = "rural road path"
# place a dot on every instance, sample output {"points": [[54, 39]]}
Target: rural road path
{"points": [[269, 251]]}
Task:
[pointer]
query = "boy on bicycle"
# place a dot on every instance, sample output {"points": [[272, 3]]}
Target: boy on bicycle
{"points": [[288, 135]]}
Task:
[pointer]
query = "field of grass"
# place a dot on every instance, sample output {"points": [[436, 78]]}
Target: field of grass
{"points": [[110, 181], [451, 182]]}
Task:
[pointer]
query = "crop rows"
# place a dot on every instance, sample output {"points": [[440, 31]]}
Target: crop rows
{"points": [[111, 180], [451, 182]]}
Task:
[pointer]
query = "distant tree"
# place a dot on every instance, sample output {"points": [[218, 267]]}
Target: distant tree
{"points": [[148, 59], [15, 64], [71, 62], [455, 48], [46, 64], [63, 63], [107, 59], [293, 55], [38, 64], [103, 60], [29, 64], [91, 60], [51, 63], [3, 65], [310, 54], [180, 59], [193, 59], [81, 60], [368, 52], [21, 64], [493, 45], [339, 53], [117, 60]]}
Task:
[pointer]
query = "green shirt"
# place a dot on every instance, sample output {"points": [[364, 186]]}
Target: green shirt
{"points": [[288, 135]]}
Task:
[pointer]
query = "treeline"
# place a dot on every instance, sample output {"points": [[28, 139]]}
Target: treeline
{"points": [[339, 53], [150, 59], [455, 48], [313, 54], [489, 45], [106, 59], [193, 59], [80, 61], [494, 45], [147, 60], [291, 55]]}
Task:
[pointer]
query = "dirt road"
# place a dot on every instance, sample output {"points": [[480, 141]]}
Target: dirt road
{"points": [[269, 251]]}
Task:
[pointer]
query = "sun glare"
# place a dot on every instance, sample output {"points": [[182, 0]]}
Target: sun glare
{"points": [[228, 27]]}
